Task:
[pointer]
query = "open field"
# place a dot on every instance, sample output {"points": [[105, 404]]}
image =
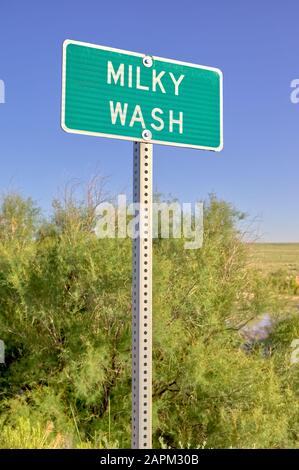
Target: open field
{"points": [[271, 257], [280, 263]]}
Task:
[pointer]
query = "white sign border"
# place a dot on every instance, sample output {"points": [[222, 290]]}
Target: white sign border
{"points": [[136, 139]]}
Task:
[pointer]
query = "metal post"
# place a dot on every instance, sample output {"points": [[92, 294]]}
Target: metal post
{"points": [[142, 300]]}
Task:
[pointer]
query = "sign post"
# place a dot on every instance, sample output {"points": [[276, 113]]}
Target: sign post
{"points": [[142, 299], [145, 99]]}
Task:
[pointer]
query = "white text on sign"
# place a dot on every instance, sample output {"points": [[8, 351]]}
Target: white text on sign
{"points": [[159, 83]]}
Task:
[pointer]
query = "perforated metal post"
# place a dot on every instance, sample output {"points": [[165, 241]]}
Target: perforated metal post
{"points": [[142, 300]]}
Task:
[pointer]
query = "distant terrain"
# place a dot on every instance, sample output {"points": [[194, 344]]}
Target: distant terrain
{"points": [[279, 263], [271, 257]]}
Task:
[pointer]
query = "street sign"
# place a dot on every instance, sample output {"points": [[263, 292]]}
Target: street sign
{"points": [[126, 95]]}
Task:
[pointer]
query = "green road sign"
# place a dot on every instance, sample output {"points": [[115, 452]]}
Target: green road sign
{"points": [[126, 95]]}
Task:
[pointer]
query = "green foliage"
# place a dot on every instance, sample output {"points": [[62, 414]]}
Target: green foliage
{"points": [[18, 219], [284, 283], [65, 309]]}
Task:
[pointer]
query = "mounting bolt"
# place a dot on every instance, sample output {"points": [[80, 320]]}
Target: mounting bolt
{"points": [[147, 61], [146, 134]]}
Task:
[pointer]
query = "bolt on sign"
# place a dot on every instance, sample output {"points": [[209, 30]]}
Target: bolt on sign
{"points": [[126, 95]]}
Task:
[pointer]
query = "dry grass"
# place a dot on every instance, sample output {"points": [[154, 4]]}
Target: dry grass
{"points": [[271, 257]]}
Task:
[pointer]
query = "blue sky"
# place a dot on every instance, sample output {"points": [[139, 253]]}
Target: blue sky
{"points": [[255, 45]]}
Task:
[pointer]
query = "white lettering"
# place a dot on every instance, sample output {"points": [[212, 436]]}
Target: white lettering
{"points": [[176, 82], [295, 93], [175, 121], [118, 111], [157, 118], [130, 77], [105, 226], [120, 74], [138, 84], [2, 92], [137, 117], [157, 81]]}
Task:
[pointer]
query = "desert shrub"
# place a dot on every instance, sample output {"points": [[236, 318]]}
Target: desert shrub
{"points": [[284, 283], [65, 317]]}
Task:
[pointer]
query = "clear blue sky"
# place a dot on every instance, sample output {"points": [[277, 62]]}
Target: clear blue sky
{"points": [[254, 43]]}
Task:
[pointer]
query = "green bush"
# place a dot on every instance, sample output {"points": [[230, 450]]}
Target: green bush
{"points": [[65, 317]]}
